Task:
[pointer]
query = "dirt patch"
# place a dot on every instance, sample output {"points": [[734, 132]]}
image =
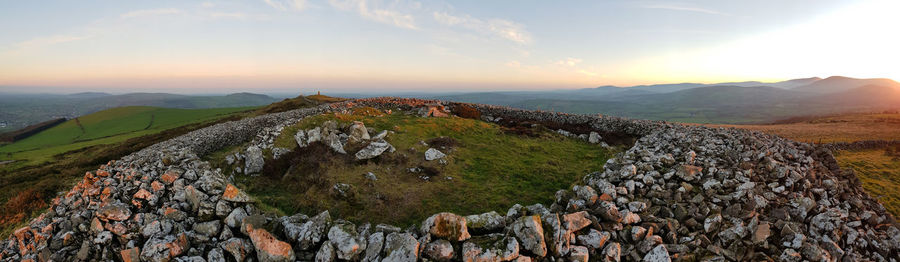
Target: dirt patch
{"points": [[442, 142]]}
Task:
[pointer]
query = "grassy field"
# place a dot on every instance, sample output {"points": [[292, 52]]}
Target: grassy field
{"points": [[105, 127], [830, 129], [879, 174], [487, 169]]}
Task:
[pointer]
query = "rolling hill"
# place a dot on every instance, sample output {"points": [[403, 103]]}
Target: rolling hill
{"points": [[836, 84], [741, 102], [20, 110], [104, 127]]}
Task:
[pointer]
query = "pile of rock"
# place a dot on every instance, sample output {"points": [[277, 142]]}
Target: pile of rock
{"points": [[251, 160], [680, 192], [357, 134], [592, 137]]}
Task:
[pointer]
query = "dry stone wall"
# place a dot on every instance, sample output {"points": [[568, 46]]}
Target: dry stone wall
{"points": [[680, 193]]}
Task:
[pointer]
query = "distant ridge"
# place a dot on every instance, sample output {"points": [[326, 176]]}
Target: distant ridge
{"points": [[734, 103], [89, 95], [836, 84]]}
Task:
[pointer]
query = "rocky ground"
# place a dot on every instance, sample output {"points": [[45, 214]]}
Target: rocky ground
{"points": [[680, 193]]}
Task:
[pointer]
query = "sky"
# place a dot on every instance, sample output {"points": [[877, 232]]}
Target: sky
{"points": [[436, 46]]}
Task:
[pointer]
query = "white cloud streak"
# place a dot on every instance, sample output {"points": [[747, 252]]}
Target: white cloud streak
{"points": [[685, 9], [151, 12], [284, 5], [570, 62], [501, 28], [234, 15], [375, 12], [51, 40]]}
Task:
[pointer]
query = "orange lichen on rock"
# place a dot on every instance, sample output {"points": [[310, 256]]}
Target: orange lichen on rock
{"points": [[157, 186], [131, 255], [169, 177], [178, 246], [234, 194], [269, 248]]}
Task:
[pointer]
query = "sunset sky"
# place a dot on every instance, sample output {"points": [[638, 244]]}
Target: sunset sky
{"points": [[400, 45]]}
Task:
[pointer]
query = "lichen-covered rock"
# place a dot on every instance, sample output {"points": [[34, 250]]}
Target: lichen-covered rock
{"points": [[374, 149], [347, 243], [358, 133], [333, 141], [433, 154], [594, 239], [116, 212], [326, 252], [300, 138], [530, 233], [612, 252], [446, 226], [313, 231], [313, 135], [493, 247], [576, 221], [268, 248], [579, 254], [235, 194], [238, 248], [254, 160], [131, 254], [609, 212], [485, 222], [374, 246], [210, 228], [558, 238], [439, 250], [594, 138], [401, 247], [658, 254], [164, 248], [688, 172]]}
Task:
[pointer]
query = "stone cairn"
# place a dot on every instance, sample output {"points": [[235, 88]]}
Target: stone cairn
{"points": [[680, 193]]}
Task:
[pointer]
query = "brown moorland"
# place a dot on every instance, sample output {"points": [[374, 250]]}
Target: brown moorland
{"points": [[831, 129]]}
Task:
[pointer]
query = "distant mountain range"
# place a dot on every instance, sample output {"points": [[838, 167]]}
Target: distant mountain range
{"points": [[737, 102], [20, 110], [728, 103]]}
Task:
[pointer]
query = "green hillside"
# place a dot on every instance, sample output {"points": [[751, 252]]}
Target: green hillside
{"points": [[105, 127]]}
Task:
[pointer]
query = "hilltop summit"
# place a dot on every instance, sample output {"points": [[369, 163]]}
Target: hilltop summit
{"points": [[679, 193]]}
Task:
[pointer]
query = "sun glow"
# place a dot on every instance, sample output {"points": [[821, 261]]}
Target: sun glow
{"points": [[862, 40]]}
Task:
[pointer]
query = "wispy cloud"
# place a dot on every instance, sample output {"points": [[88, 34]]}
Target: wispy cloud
{"points": [[685, 8], [48, 41], [207, 4], [41, 42], [284, 5], [375, 12], [234, 15], [505, 29], [570, 62], [151, 12]]}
